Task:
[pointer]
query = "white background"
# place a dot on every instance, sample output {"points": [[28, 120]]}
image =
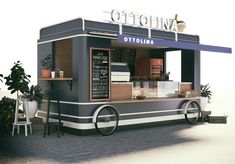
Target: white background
{"points": [[211, 20], [21, 20]]}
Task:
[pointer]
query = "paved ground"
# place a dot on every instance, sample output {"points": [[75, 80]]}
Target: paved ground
{"points": [[173, 144], [178, 144]]}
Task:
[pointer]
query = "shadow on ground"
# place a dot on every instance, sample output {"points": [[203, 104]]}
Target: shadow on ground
{"points": [[75, 149]]}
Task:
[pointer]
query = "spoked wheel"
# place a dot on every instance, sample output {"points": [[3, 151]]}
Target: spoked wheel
{"points": [[192, 112], [107, 120]]}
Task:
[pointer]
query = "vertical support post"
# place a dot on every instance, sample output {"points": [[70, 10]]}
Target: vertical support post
{"points": [[47, 120], [191, 68]]}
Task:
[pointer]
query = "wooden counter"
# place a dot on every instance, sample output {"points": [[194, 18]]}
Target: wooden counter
{"points": [[186, 86], [121, 91], [156, 99]]}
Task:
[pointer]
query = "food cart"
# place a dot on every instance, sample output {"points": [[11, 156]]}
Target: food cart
{"points": [[115, 75]]}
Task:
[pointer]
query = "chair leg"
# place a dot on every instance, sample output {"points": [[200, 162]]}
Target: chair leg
{"points": [[18, 129], [49, 129], [26, 130], [47, 126], [45, 130], [62, 129], [13, 130], [58, 131], [30, 128]]}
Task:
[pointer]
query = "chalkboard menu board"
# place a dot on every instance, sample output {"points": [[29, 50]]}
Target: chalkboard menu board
{"points": [[100, 74]]}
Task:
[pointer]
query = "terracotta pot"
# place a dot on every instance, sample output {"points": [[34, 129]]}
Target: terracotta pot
{"points": [[46, 73]]}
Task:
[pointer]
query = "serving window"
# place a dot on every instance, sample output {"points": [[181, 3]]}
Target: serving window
{"points": [[63, 56], [153, 74]]}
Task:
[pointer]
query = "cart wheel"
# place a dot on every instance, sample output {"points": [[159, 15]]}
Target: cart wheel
{"points": [[107, 120], [192, 112]]}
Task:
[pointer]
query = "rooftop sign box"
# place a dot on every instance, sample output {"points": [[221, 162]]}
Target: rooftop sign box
{"points": [[141, 20]]}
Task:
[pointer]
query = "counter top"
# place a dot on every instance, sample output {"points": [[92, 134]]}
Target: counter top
{"points": [[122, 82], [155, 99], [50, 79]]}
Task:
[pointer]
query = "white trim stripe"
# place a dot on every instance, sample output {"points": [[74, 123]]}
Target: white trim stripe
{"points": [[151, 112], [88, 126], [124, 114], [149, 120], [77, 103], [66, 115], [130, 101], [78, 35]]}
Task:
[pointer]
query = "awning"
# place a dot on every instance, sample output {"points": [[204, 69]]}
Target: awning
{"points": [[171, 44]]}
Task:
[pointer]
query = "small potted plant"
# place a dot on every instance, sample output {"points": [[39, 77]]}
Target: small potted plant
{"points": [[206, 94], [34, 96], [46, 64]]}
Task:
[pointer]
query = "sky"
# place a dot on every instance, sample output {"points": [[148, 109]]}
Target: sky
{"points": [[22, 20]]}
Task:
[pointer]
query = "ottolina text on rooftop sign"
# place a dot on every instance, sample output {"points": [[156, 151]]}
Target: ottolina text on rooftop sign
{"points": [[146, 21]]}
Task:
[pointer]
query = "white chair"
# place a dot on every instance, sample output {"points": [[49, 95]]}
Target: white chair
{"points": [[17, 123]]}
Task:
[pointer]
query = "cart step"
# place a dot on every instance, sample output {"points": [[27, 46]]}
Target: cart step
{"points": [[217, 119], [205, 115]]}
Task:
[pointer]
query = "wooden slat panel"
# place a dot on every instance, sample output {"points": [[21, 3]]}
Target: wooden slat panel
{"points": [[63, 56]]}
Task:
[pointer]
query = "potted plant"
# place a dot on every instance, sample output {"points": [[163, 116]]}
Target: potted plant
{"points": [[180, 24], [46, 64], [17, 80], [205, 96], [34, 96]]}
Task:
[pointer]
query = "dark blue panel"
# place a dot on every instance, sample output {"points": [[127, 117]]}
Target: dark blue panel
{"points": [[61, 28], [171, 44], [100, 26], [163, 34], [188, 38], [128, 30]]}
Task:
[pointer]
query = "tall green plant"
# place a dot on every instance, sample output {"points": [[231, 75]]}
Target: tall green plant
{"points": [[17, 80], [7, 108]]}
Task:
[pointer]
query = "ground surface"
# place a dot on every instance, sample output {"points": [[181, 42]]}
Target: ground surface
{"points": [[178, 144]]}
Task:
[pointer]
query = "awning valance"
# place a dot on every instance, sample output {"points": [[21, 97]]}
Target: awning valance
{"points": [[171, 44]]}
